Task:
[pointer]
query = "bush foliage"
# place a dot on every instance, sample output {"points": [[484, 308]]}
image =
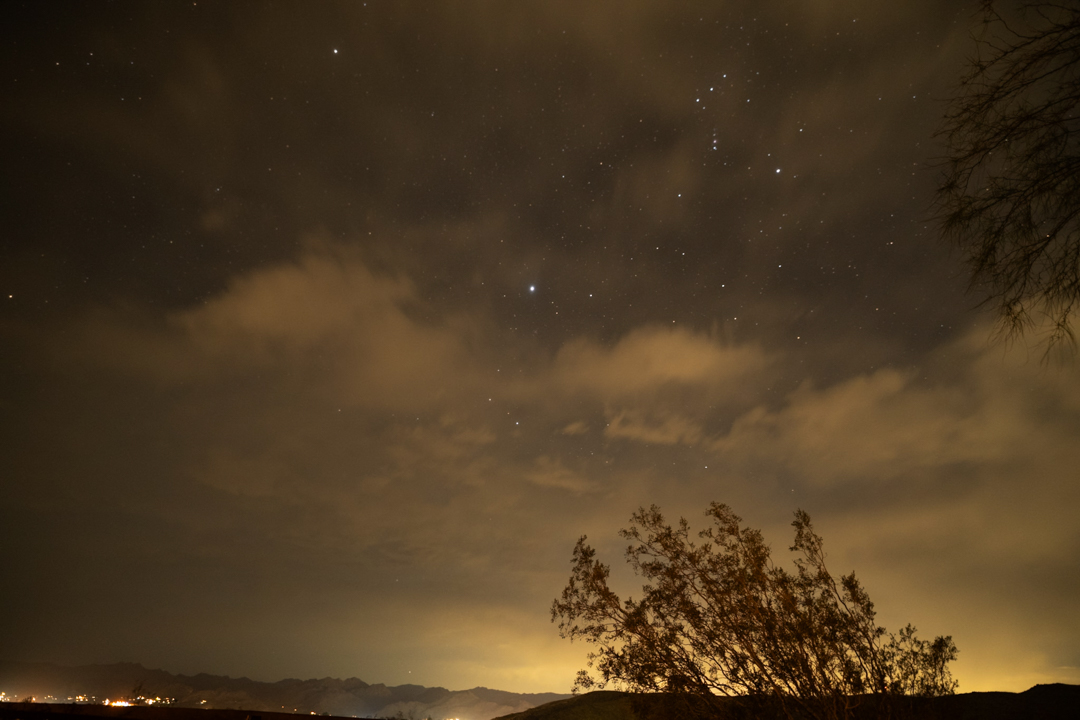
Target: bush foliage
{"points": [[718, 618]]}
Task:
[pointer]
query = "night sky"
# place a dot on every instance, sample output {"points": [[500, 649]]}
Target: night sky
{"points": [[326, 329]]}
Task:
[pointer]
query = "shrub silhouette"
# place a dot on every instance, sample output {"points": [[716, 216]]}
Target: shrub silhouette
{"points": [[718, 618]]}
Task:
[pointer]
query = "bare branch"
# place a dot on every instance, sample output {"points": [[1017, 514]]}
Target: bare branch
{"points": [[1010, 194]]}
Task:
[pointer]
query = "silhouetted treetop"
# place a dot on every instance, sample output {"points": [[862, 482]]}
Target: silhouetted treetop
{"points": [[1010, 196]]}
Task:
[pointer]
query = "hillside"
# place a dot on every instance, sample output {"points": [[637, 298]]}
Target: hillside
{"points": [[1042, 702]]}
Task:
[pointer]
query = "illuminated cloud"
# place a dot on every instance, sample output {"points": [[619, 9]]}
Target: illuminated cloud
{"points": [[971, 406], [553, 474], [652, 360], [325, 320], [666, 430]]}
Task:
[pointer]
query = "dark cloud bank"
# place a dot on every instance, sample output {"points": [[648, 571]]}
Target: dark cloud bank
{"points": [[329, 328]]}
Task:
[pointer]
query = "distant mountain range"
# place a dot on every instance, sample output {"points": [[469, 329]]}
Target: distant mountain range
{"points": [[348, 698], [356, 698]]}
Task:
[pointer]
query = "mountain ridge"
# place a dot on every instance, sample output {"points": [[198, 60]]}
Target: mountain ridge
{"points": [[335, 696]]}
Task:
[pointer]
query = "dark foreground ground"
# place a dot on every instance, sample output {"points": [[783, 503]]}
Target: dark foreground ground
{"points": [[49, 711], [1042, 702]]}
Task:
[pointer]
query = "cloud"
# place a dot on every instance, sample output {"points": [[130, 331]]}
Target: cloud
{"points": [[651, 360], [578, 427], [367, 339], [325, 319], [665, 430], [551, 473], [972, 407]]}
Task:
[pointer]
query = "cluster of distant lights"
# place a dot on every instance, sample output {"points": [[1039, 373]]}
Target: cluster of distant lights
{"points": [[140, 701], [92, 700], [4, 697]]}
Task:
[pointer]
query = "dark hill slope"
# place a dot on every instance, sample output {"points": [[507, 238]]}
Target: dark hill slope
{"points": [[1042, 702], [599, 705]]}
